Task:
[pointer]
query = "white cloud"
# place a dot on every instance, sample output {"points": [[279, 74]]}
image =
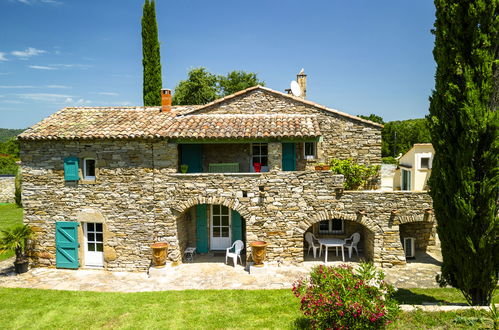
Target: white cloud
{"points": [[31, 2], [2, 57], [42, 67], [30, 51], [70, 66], [16, 86], [45, 97], [107, 93], [77, 102], [57, 86]]}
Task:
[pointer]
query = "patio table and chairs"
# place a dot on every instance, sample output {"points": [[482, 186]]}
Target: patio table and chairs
{"points": [[332, 242]]}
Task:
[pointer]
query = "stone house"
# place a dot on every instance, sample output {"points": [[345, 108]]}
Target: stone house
{"points": [[100, 185]]}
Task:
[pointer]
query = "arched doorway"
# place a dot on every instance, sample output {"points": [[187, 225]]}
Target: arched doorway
{"points": [[211, 229], [340, 229]]}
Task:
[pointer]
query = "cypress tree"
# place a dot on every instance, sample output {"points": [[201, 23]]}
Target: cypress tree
{"points": [[463, 123], [151, 59]]}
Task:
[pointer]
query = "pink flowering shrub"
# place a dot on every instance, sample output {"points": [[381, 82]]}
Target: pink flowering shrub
{"points": [[340, 298]]}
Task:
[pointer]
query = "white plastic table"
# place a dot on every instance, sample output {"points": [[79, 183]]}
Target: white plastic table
{"points": [[332, 242]]}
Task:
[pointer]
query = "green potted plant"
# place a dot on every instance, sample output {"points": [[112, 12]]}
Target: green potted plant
{"points": [[184, 168], [15, 239]]}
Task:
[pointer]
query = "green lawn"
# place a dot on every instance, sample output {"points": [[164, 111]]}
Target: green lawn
{"points": [[223, 309], [10, 215]]}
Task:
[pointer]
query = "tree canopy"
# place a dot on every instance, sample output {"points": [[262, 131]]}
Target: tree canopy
{"points": [[151, 59], [463, 123], [374, 118], [399, 136], [202, 87]]}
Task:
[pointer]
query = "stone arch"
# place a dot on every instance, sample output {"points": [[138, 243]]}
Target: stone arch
{"points": [[425, 217], [180, 210], [231, 203], [333, 214]]}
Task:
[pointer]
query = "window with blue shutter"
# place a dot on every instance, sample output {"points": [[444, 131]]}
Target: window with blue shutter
{"points": [[71, 169]]}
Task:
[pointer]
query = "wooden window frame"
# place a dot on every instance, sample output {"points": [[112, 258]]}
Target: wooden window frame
{"points": [[84, 170], [330, 227], [314, 148]]}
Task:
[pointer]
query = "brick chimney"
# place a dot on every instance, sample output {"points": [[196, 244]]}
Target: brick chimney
{"points": [[301, 79], [166, 100]]}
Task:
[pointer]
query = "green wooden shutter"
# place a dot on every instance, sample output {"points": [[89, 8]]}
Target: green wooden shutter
{"points": [[237, 227], [192, 155], [66, 244], [71, 169], [201, 229], [288, 157]]}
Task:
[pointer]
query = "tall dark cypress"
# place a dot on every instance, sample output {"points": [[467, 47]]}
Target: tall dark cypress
{"points": [[151, 59], [463, 122]]}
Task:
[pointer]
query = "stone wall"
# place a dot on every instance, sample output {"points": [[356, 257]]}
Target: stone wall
{"points": [[343, 137], [7, 189], [423, 232], [142, 200]]}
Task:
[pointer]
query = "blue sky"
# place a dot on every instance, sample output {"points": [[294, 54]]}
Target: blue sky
{"points": [[361, 57]]}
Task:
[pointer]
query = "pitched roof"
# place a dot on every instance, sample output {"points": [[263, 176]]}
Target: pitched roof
{"points": [[149, 122], [244, 126], [289, 96]]}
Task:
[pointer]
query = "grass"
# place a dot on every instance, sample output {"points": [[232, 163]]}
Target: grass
{"points": [[207, 309], [10, 215]]}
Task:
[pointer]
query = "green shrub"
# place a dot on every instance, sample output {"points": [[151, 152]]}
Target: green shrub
{"points": [[340, 298], [356, 175], [389, 160]]}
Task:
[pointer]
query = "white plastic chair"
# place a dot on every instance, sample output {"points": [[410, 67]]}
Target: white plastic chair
{"points": [[238, 246], [309, 237], [355, 239]]}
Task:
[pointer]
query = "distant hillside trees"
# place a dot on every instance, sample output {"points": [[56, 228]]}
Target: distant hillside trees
{"points": [[374, 118], [202, 87], [399, 136], [151, 59], [9, 150], [464, 122]]}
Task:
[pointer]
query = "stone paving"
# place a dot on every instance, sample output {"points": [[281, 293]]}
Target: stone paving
{"points": [[204, 273]]}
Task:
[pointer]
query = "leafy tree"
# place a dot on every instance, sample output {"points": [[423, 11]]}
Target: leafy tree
{"points": [[10, 147], [399, 136], [373, 117], [8, 164], [199, 88], [236, 81], [151, 59], [8, 133], [463, 122], [202, 86]]}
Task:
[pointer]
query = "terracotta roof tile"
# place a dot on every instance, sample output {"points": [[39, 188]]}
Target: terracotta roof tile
{"points": [[148, 122]]}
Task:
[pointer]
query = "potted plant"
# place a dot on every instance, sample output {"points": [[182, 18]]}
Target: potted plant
{"points": [[15, 239], [322, 167], [257, 167], [184, 168]]}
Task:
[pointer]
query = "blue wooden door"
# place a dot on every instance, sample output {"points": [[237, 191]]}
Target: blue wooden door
{"points": [[201, 229], [192, 155], [237, 227], [66, 244], [288, 157]]}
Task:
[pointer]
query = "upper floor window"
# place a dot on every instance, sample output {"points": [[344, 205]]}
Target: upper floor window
{"points": [[89, 169], [310, 150], [334, 226], [423, 161], [259, 155]]}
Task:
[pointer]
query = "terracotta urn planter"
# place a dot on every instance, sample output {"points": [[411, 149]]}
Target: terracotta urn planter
{"points": [[318, 167], [159, 254], [326, 167], [258, 251]]}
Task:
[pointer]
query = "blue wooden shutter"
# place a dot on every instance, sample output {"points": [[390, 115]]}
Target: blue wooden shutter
{"points": [[201, 229], [66, 244], [288, 157], [71, 169], [237, 227], [192, 155]]}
